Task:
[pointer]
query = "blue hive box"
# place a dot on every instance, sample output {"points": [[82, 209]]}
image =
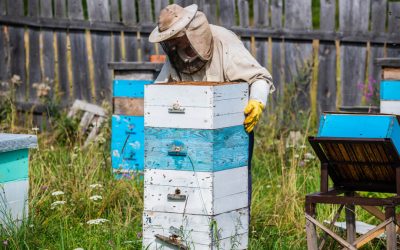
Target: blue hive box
{"points": [[14, 178], [368, 126], [127, 139]]}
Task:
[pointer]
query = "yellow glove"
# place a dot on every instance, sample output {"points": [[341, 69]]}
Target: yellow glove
{"points": [[252, 112]]}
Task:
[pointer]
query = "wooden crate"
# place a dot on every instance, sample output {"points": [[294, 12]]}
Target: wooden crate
{"points": [[14, 179]]}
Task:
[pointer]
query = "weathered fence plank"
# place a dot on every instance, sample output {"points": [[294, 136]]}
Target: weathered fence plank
{"points": [[60, 12], [393, 49], [298, 55], [145, 17], [116, 36], [3, 60], [378, 20], [199, 3], [261, 19], [129, 18], [3, 45], [244, 20], [277, 55], [227, 12], [48, 42], [158, 6], [80, 68], [34, 51], [101, 44], [16, 48], [122, 34], [3, 9], [354, 17], [210, 8], [327, 87], [261, 12]]}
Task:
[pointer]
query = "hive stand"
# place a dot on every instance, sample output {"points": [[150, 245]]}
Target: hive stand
{"points": [[355, 164]]}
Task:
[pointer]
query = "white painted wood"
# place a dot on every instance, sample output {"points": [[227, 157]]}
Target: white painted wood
{"points": [[176, 178], [206, 107], [206, 192], [390, 107], [225, 182], [230, 181], [198, 201], [13, 200], [196, 230], [237, 242], [11, 142]]}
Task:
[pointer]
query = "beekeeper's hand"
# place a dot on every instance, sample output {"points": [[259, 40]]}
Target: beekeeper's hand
{"points": [[253, 113], [259, 91]]}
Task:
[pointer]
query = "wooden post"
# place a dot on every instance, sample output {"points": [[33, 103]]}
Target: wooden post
{"points": [[391, 228], [324, 177], [350, 220], [312, 238], [398, 180]]}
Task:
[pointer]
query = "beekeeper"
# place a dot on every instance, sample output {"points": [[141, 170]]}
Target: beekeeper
{"points": [[199, 51]]}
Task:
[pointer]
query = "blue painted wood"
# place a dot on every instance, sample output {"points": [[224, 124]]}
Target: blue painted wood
{"points": [[14, 165], [129, 88], [360, 126], [127, 150], [205, 150], [390, 90], [10, 142]]}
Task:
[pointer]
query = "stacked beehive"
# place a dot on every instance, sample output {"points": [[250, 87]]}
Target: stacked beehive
{"points": [[127, 149], [14, 179], [390, 90], [196, 153]]}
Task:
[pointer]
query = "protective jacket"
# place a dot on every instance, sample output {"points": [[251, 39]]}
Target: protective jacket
{"points": [[230, 61]]}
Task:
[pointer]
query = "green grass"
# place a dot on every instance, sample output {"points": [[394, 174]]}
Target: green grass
{"points": [[281, 178]]}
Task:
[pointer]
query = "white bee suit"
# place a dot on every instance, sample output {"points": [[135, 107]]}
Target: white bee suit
{"points": [[230, 61]]}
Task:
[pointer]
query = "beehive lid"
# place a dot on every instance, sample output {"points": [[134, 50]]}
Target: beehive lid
{"points": [[11, 142], [359, 164]]}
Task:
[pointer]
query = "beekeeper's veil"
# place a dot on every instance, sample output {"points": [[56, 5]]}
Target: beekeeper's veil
{"points": [[175, 21]]}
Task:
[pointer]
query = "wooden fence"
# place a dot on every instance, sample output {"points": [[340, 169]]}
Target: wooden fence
{"points": [[70, 42]]}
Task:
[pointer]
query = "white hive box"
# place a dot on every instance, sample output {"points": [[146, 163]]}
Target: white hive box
{"points": [[14, 179], [202, 193], [201, 106], [225, 231], [196, 175]]}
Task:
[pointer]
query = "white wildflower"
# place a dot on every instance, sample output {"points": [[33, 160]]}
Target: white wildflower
{"points": [[79, 248], [303, 146], [309, 156], [95, 197], [296, 156], [96, 185], [57, 193], [97, 221], [57, 203]]}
